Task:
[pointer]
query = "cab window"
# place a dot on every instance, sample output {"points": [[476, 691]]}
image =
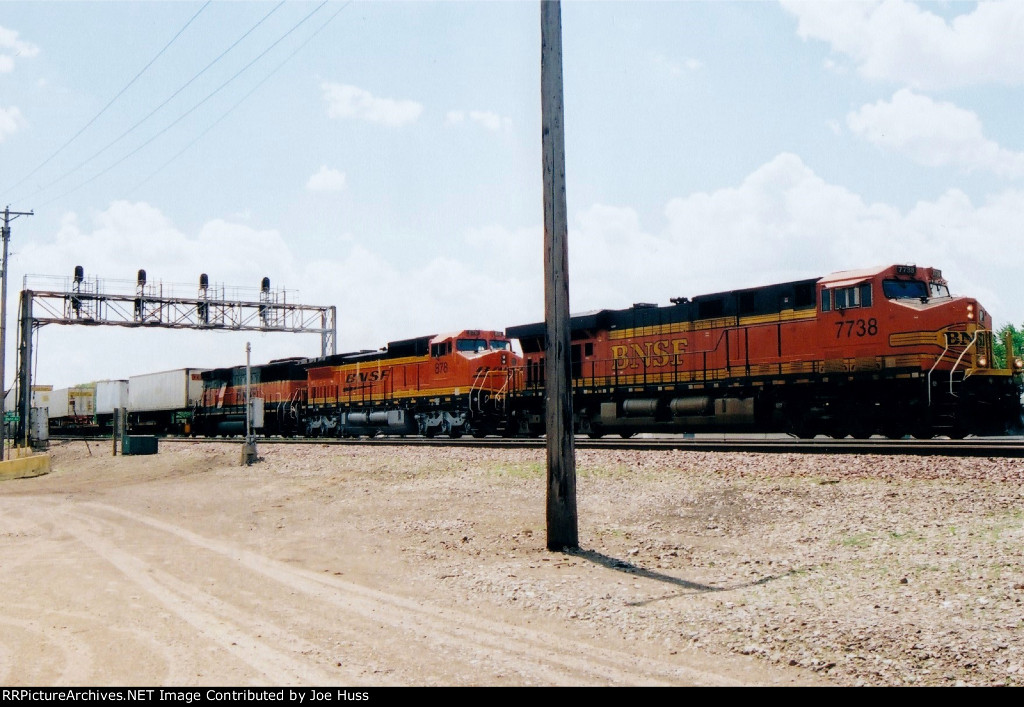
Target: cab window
{"points": [[904, 289], [471, 345], [849, 297]]}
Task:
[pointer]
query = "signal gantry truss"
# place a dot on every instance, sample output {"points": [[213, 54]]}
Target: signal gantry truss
{"points": [[88, 302], [95, 303]]}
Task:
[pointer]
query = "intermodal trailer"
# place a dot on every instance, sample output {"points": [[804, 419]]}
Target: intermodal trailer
{"points": [[164, 402]]}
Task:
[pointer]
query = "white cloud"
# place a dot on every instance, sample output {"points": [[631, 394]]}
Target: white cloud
{"points": [[934, 134], [782, 222], [10, 121], [362, 283], [673, 66], [326, 179], [11, 47], [896, 40], [486, 119], [344, 101]]}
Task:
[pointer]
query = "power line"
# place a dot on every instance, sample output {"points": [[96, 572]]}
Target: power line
{"points": [[190, 110], [112, 100], [165, 102], [239, 102]]}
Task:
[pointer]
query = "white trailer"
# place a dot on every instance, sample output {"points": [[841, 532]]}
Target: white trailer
{"points": [[164, 402], [111, 395]]}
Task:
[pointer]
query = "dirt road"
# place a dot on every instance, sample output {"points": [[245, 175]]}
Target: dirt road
{"points": [[352, 566]]}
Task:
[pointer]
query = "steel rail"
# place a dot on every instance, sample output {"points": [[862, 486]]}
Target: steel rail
{"points": [[997, 447]]}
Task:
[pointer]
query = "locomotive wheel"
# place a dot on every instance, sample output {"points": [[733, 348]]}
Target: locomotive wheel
{"points": [[805, 426], [894, 430], [861, 430]]}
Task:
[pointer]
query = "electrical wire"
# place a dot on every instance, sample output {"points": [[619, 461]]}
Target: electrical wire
{"points": [[165, 102], [112, 100], [190, 110], [228, 112]]}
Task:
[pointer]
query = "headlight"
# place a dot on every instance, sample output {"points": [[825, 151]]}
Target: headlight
{"points": [[1018, 364], [982, 361]]}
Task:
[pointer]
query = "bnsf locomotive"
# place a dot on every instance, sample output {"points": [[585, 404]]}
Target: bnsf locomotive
{"points": [[450, 385], [883, 350]]}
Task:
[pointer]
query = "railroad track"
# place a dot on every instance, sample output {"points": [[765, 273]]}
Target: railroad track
{"points": [[761, 444]]}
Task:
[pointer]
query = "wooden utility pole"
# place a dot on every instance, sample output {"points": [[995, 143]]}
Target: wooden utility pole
{"points": [[5, 233], [561, 495]]}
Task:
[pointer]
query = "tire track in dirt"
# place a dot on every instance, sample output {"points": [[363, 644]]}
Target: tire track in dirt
{"points": [[538, 656], [72, 655], [227, 626]]}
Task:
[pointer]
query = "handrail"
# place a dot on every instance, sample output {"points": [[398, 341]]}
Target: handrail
{"points": [[960, 357], [928, 379]]}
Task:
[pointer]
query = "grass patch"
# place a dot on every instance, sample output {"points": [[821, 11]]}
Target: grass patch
{"points": [[858, 540]]}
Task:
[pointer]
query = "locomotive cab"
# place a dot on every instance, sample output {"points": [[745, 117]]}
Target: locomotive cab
{"points": [[473, 367], [902, 325]]}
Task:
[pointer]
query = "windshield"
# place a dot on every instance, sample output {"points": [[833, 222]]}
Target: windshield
{"points": [[939, 290], [904, 289], [471, 345], [476, 345]]}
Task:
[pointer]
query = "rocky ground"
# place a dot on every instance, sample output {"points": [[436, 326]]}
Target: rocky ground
{"points": [[362, 565]]}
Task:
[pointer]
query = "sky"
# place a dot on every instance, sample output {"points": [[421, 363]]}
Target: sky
{"points": [[385, 158]]}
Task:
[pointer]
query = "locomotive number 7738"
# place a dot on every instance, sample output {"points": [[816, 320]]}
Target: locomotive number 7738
{"points": [[856, 327]]}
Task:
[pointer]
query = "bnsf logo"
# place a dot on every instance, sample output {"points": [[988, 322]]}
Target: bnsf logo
{"points": [[366, 377], [958, 338]]}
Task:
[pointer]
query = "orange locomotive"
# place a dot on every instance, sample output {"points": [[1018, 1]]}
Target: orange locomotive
{"points": [[884, 350], [451, 384], [280, 385]]}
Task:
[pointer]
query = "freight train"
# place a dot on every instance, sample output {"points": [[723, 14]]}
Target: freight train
{"points": [[885, 350]]}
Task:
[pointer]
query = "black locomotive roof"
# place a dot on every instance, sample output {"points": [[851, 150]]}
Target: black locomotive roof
{"points": [[769, 299], [276, 370], [419, 346]]}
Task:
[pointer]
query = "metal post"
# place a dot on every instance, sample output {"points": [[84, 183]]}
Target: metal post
{"points": [[561, 493], [25, 367], [249, 447], [248, 385], [5, 233]]}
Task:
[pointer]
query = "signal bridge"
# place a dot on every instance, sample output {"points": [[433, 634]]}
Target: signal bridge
{"points": [[95, 302]]}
